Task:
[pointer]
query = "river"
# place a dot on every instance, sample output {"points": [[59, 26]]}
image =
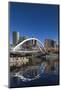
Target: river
{"points": [[35, 75]]}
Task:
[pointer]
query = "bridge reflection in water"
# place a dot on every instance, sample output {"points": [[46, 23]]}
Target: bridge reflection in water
{"points": [[44, 72]]}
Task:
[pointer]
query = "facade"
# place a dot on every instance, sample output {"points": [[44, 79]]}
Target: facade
{"points": [[49, 44], [34, 42], [15, 38]]}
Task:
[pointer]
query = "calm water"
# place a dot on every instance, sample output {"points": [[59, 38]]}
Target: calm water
{"points": [[35, 76]]}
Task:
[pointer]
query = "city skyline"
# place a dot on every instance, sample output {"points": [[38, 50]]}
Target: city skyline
{"points": [[34, 20]]}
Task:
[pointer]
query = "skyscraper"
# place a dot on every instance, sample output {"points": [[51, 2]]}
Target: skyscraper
{"points": [[49, 43], [15, 38]]}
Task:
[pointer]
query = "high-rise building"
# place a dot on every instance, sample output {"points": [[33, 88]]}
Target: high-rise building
{"points": [[49, 43], [34, 42], [15, 38]]}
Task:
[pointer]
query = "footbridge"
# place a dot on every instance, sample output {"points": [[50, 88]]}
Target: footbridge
{"points": [[34, 49]]}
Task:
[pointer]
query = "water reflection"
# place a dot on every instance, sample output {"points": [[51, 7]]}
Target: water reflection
{"points": [[42, 73], [35, 72]]}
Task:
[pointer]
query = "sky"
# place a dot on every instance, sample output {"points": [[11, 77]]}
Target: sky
{"points": [[34, 20]]}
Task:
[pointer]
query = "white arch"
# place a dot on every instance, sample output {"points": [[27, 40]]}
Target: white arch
{"points": [[21, 43]]}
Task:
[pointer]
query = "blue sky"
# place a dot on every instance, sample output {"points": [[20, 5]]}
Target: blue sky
{"points": [[34, 20]]}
